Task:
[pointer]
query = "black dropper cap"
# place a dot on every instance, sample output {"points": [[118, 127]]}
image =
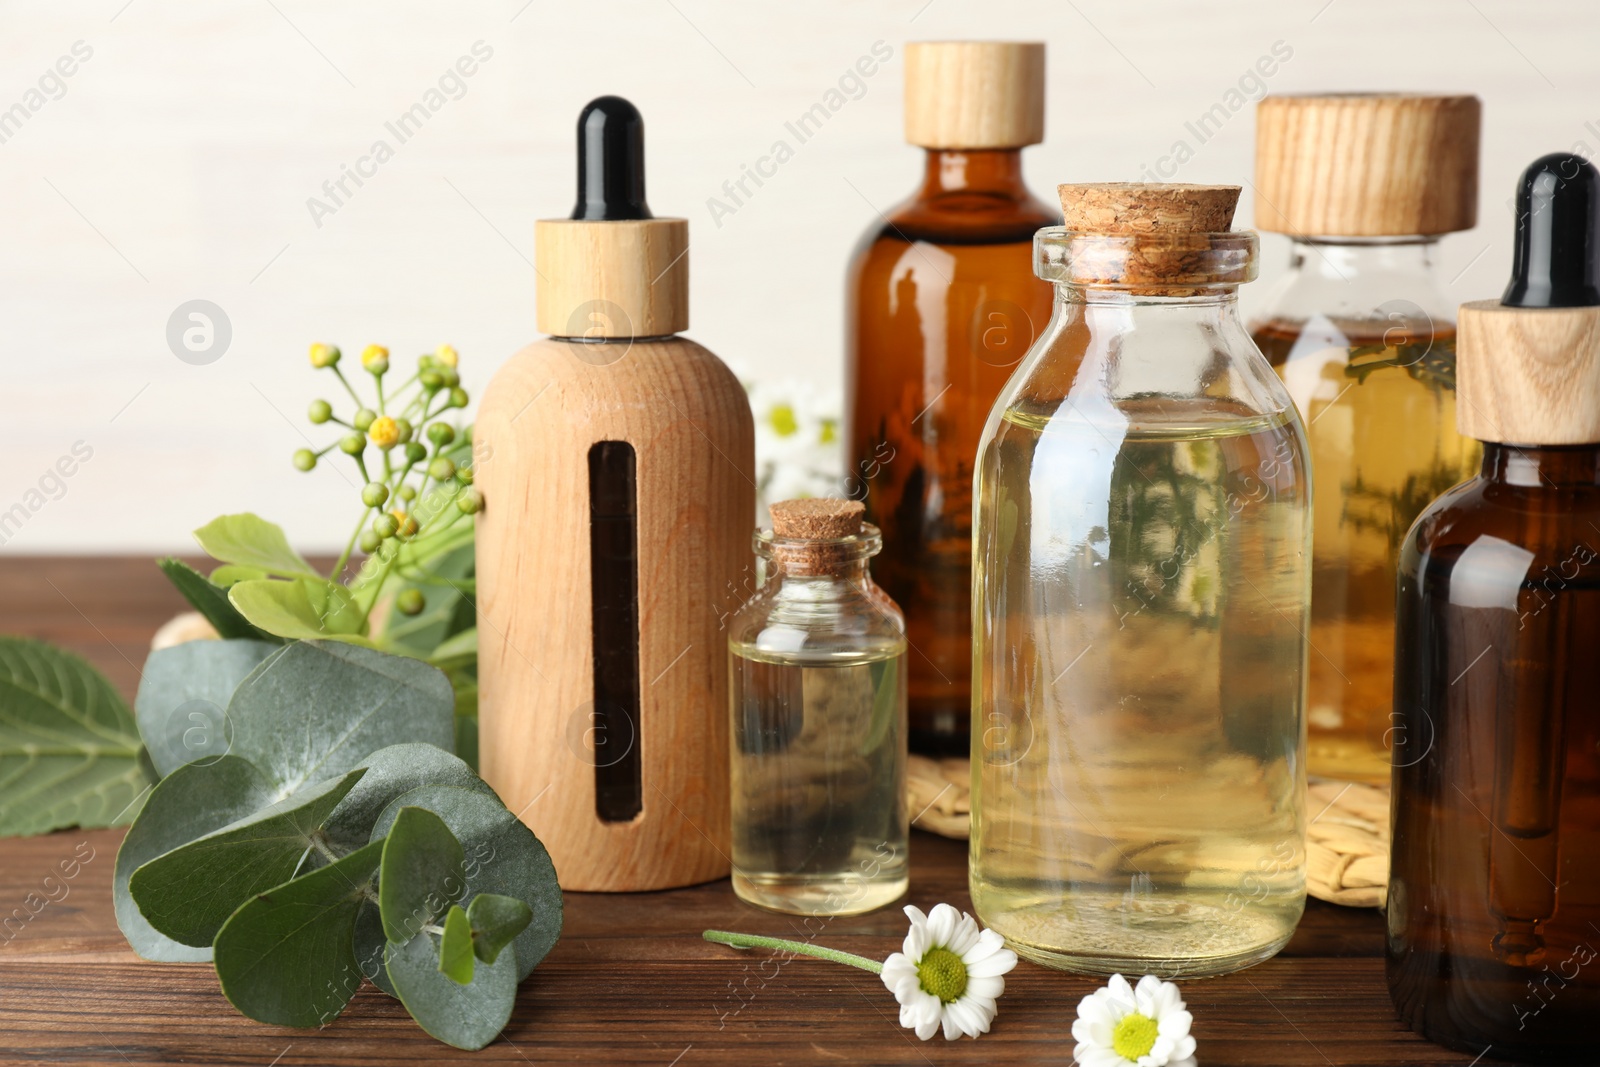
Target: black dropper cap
{"points": [[610, 161], [1558, 235]]}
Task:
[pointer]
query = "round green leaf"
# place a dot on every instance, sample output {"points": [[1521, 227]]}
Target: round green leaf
{"points": [[495, 920], [286, 955], [423, 873], [455, 947], [390, 772], [303, 609], [466, 1016], [251, 541], [502, 856], [183, 696]]}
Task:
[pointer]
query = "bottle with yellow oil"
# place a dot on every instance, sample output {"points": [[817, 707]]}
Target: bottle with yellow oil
{"points": [[1141, 557], [1365, 341]]}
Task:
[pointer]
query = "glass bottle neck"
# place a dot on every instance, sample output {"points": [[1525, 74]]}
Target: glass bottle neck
{"points": [[989, 171], [1338, 258], [1541, 466], [1364, 284]]}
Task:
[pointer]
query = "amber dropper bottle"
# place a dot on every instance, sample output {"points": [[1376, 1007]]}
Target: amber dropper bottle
{"points": [[942, 304], [1494, 892]]}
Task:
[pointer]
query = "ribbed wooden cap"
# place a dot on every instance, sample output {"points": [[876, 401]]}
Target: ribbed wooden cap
{"points": [[612, 279], [1528, 376], [974, 94], [1367, 164], [820, 518]]}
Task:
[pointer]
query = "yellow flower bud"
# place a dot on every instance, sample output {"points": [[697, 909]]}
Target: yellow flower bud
{"points": [[375, 358], [384, 432], [446, 355], [324, 355], [407, 526]]}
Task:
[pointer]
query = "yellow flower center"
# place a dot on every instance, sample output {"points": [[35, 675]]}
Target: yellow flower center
{"points": [[942, 973], [782, 419], [1134, 1036]]}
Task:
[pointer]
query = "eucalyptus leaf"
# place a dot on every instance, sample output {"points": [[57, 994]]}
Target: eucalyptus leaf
{"points": [[69, 746], [183, 696], [422, 875], [192, 801], [466, 1016], [189, 892], [391, 772], [305, 609], [318, 709], [286, 956], [211, 600], [502, 856], [251, 541], [455, 947], [495, 921]]}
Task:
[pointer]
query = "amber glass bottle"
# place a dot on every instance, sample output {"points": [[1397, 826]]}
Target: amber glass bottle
{"points": [[1494, 893], [1363, 336], [942, 306]]}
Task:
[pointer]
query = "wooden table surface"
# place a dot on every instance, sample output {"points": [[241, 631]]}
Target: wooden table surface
{"points": [[631, 980]]}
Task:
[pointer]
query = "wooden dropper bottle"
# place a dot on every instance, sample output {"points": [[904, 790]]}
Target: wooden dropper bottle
{"points": [[620, 458]]}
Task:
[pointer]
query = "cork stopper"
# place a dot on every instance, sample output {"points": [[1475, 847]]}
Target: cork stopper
{"points": [[974, 94], [1137, 208], [1367, 164], [818, 519]]}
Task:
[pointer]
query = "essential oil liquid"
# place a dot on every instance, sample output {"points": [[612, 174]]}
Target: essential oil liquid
{"points": [[1139, 684], [1380, 417], [821, 825]]}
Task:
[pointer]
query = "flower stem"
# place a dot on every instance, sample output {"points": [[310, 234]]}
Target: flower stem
{"points": [[799, 948]]}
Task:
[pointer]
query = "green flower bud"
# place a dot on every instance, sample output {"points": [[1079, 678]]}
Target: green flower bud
{"points": [[353, 444], [385, 525], [431, 381], [305, 459], [410, 602], [470, 500], [416, 452], [441, 434], [370, 541], [408, 493], [441, 470], [458, 398], [374, 494], [319, 412], [324, 355], [464, 475], [449, 377], [364, 419], [403, 430], [425, 362]]}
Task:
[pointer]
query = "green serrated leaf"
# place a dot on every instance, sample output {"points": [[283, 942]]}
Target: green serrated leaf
{"points": [[227, 575], [286, 955], [305, 609], [192, 801], [251, 541], [189, 892], [502, 856], [423, 873], [496, 920], [183, 697], [69, 747], [466, 1016], [318, 709], [455, 947], [211, 601]]}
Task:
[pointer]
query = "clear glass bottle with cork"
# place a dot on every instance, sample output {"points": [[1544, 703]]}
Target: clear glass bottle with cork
{"points": [[818, 697], [941, 306], [1494, 888], [1141, 587], [1364, 338]]}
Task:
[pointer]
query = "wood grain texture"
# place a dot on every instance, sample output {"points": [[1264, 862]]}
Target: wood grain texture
{"points": [[1528, 376], [631, 982], [612, 279], [974, 94], [689, 421], [1367, 164]]}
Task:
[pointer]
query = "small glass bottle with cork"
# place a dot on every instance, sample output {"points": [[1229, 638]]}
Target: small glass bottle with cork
{"points": [[817, 662], [1362, 334], [1141, 585]]}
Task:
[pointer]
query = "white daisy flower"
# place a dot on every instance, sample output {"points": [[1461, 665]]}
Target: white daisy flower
{"points": [[949, 975], [1139, 1026]]}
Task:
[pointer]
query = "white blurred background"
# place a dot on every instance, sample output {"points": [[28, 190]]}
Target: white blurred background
{"points": [[177, 160]]}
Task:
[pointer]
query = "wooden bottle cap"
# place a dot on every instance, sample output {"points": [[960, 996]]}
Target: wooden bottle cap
{"points": [[974, 94], [1138, 207], [1367, 164], [1528, 376], [626, 278], [817, 519]]}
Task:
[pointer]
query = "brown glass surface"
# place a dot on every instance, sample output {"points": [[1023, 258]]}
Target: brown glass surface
{"points": [[942, 306], [1494, 898]]}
